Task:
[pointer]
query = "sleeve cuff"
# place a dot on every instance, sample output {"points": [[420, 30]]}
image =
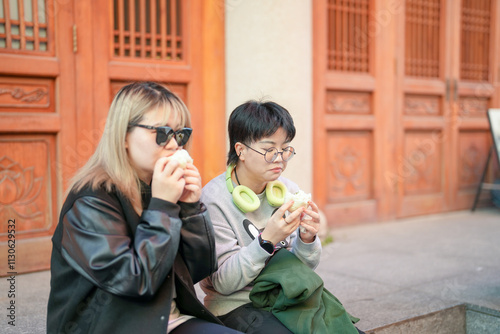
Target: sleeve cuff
{"points": [[170, 208], [310, 246], [261, 255], [191, 209]]}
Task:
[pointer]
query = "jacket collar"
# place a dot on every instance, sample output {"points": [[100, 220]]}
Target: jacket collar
{"points": [[145, 194]]}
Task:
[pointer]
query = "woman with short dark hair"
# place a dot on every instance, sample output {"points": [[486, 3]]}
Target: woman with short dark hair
{"points": [[267, 245], [259, 134]]}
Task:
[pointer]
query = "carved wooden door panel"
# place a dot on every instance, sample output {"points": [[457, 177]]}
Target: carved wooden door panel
{"points": [[36, 122]]}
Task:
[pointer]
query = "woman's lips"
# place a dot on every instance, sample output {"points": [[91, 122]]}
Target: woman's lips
{"points": [[276, 170]]}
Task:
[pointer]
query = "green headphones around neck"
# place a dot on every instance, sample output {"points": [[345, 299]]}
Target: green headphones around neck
{"points": [[247, 201]]}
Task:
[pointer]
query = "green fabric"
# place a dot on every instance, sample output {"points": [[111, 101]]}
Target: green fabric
{"points": [[295, 295]]}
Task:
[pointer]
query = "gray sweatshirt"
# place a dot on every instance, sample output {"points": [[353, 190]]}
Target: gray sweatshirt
{"points": [[239, 254]]}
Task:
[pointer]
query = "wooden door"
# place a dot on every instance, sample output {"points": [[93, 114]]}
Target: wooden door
{"points": [[179, 43], [475, 75], [447, 84], [353, 92], [36, 124], [61, 62], [424, 112], [401, 90]]}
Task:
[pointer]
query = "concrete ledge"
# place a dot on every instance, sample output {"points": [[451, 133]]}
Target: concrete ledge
{"points": [[459, 319], [482, 320]]}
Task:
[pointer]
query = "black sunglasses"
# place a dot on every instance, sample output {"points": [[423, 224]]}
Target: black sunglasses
{"points": [[165, 133]]}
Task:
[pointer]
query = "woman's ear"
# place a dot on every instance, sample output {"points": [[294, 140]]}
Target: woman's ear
{"points": [[239, 148]]}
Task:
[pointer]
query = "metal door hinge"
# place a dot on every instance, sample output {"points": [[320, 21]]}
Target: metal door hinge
{"points": [[75, 39]]}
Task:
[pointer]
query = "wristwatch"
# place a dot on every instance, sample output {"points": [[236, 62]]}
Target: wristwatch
{"points": [[266, 245]]}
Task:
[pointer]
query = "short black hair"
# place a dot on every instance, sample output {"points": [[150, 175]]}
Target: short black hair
{"points": [[254, 120]]}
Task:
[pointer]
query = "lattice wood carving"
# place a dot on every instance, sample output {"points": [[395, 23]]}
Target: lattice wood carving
{"points": [[26, 184], [471, 106], [473, 150], [422, 163], [33, 95], [25, 26], [475, 43], [350, 165], [419, 105], [349, 38], [348, 102], [422, 40], [149, 29]]}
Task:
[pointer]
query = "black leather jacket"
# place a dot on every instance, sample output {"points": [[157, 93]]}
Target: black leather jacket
{"points": [[115, 272]]}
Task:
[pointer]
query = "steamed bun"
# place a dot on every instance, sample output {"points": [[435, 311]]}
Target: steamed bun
{"points": [[300, 199], [183, 157]]}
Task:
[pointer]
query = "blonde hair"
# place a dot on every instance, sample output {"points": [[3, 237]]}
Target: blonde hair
{"points": [[109, 166]]}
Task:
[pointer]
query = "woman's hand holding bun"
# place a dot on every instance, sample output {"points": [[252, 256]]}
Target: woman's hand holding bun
{"points": [[309, 225], [168, 180]]}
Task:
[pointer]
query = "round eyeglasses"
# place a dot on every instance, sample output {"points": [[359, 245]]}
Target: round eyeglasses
{"points": [[165, 133], [272, 153]]}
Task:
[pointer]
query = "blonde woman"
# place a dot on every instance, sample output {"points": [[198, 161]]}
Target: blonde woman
{"points": [[133, 236]]}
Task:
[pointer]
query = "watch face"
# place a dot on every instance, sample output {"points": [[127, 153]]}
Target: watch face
{"points": [[268, 246]]}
